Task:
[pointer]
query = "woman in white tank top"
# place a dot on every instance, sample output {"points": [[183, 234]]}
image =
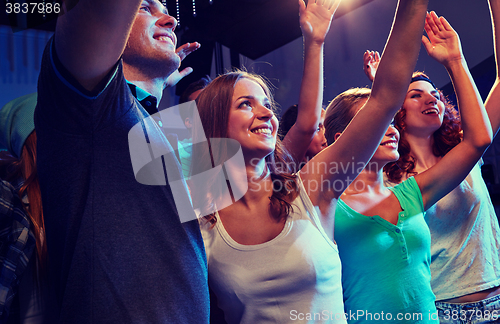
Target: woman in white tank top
{"points": [[271, 258]]}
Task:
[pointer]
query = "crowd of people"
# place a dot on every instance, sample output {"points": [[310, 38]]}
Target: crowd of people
{"points": [[106, 217]]}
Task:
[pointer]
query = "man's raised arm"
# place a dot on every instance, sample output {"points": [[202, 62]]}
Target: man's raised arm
{"points": [[91, 36]]}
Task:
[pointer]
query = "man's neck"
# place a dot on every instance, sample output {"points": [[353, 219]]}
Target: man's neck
{"points": [[153, 85], [149, 86]]}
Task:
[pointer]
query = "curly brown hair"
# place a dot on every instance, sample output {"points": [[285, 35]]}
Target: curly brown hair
{"points": [[444, 139], [214, 106]]}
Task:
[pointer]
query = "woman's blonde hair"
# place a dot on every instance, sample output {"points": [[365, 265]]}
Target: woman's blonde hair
{"points": [[342, 110]]}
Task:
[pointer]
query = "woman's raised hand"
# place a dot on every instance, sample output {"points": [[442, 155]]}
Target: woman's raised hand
{"points": [[371, 59], [443, 43], [316, 17]]}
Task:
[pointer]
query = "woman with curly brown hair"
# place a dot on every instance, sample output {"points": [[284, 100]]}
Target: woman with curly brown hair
{"points": [[465, 236], [446, 137]]}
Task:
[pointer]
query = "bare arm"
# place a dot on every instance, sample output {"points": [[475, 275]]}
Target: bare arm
{"points": [[492, 103], [315, 20], [444, 46], [363, 135], [91, 35]]}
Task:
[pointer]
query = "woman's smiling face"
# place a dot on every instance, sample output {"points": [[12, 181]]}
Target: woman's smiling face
{"points": [[424, 109], [387, 150], [251, 120]]}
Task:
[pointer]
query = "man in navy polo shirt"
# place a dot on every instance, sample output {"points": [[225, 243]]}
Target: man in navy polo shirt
{"points": [[118, 252]]}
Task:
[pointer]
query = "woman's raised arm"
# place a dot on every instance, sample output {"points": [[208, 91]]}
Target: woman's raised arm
{"points": [[443, 45], [363, 135], [315, 20]]}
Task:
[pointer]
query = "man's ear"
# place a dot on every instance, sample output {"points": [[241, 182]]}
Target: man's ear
{"points": [[188, 123], [336, 137]]}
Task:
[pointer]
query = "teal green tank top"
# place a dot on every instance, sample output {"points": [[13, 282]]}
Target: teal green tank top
{"points": [[385, 267]]}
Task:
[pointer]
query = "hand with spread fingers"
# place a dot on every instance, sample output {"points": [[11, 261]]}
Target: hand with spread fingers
{"points": [[316, 17], [443, 43], [371, 59], [182, 51]]}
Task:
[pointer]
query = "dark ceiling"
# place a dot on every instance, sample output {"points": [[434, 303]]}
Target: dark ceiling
{"points": [[252, 28]]}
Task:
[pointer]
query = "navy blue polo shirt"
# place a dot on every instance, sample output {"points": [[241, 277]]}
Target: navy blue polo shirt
{"points": [[118, 252]]}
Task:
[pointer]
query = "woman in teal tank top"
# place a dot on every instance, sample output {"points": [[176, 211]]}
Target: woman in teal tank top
{"points": [[383, 240]]}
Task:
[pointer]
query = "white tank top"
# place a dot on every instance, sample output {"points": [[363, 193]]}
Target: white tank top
{"points": [[465, 240], [295, 277]]}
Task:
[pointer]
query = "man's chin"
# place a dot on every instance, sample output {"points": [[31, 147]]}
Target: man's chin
{"points": [[167, 65]]}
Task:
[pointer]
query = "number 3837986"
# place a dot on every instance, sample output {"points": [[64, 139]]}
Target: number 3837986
{"points": [[32, 7]]}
